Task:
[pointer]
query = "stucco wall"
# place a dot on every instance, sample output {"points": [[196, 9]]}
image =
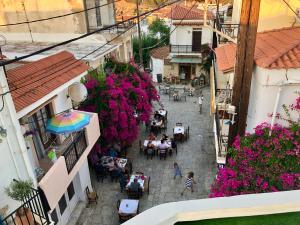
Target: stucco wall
{"points": [[157, 68], [183, 35], [12, 11], [57, 179], [264, 88], [223, 79], [172, 69], [273, 14]]}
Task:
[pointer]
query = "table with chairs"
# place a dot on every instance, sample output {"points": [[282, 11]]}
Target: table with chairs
{"points": [[127, 209], [144, 185], [180, 133]]}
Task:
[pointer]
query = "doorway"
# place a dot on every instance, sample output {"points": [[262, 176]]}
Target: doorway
{"points": [[186, 68], [196, 40]]}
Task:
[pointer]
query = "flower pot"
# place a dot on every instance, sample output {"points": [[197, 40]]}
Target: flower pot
{"points": [[24, 217]]}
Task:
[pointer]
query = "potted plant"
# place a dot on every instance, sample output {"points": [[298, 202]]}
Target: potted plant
{"points": [[19, 190]]}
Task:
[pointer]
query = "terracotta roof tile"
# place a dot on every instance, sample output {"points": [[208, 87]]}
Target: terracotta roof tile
{"points": [[183, 23], [178, 12], [275, 49], [161, 52], [37, 79]]}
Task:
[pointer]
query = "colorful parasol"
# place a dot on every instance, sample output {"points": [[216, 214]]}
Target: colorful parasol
{"points": [[67, 122]]}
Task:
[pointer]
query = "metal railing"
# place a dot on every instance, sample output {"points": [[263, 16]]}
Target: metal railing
{"points": [[32, 211], [74, 150], [185, 49], [229, 29]]}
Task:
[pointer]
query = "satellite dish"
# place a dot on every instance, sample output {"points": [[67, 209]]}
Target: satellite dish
{"points": [[77, 92]]}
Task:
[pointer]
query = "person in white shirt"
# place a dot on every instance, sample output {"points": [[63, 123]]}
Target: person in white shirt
{"points": [[200, 103], [163, 145]]}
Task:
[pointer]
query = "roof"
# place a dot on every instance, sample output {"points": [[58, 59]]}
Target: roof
{"points": [[275, 49], [226, 57], [192, 23], [161, 52], [80, 50], [37, 79], [179, 12]]}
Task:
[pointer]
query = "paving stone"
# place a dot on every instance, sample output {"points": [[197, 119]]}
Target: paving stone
{"points": [[197, 155]]}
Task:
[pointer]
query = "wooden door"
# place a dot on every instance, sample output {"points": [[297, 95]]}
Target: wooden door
{"points": [[196, 41]]}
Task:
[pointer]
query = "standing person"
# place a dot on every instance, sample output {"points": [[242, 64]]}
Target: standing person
{"points": [[177, 170], [200, 103], [189, 182]]}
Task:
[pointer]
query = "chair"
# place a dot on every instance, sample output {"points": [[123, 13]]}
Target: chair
{"points": [[92, 197], [128, 166], [147, 185], [139, 173], [150, 152], [101, 172], [187, 134], [141, 147], [134, 194], [163, 154], [178, 124], [123, 218]]}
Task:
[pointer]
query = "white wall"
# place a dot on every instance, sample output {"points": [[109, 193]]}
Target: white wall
{"points": [[157, 66], [14, 161], [223, 78], [85, 180], [264, 89], [211, 208], [273, 14], [183, 35]]}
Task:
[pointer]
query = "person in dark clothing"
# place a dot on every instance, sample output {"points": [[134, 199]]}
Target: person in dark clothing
{"points": [[123, 181], [135, 186]]}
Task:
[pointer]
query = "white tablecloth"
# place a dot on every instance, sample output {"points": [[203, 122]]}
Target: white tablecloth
{"points": [[156, 143], [178, 130], [129, 206], [139, 180]]}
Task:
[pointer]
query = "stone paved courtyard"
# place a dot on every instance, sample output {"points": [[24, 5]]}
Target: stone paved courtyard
{"points": [[197, 154]]}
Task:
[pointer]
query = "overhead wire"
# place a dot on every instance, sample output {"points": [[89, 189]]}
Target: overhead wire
{"points": [[290, 7], [56, 17], [83, 36], [173, 29], [70, 64]]}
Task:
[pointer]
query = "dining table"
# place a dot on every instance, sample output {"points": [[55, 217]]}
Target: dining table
{"points": [[144, 181], [120, 161], [179, 130], [129, 207]]}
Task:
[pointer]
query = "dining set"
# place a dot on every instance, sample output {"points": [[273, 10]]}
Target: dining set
{"points": [[181, 133]]}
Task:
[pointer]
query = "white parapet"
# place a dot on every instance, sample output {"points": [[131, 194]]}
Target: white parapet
{"points": [[236, 206]]}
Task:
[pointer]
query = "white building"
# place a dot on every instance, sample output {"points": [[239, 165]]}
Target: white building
{"points": [[39, 90], [44, 33], [275, 78], [186, 44]]}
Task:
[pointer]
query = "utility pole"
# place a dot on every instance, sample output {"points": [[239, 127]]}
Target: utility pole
{"points": [[139, 33], [244, 65]]}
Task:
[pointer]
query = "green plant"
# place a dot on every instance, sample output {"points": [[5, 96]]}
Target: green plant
{"points": [[18, 190]]}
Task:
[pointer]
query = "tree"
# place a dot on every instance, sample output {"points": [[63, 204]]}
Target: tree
{"points": [[160, 29]]}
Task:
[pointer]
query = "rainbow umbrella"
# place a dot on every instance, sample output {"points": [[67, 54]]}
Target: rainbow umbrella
{"points": [[67, 122]]}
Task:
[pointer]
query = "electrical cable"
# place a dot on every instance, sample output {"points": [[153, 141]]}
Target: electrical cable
{"points": [[77, 60], [83, 36], [290, 7], [55, 17], [173, 29]]}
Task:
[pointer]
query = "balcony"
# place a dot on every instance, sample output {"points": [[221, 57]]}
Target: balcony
{"points": [[185, 49], [229, 29], [74, 155], [35, 212]]}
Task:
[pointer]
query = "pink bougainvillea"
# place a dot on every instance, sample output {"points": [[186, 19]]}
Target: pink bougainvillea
{"points": [[262, 162], [122, 96]]}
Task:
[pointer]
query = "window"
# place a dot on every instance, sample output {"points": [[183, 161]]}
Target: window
{"points": [[62, 205], [71, 191], [98, 13], [40, 119]]}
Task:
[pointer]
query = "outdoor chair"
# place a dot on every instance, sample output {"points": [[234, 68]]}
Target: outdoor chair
{"points": [[178, 124], [101, 172], [92, 197], [123, 218], [128, 167], [134, 194], [182, 95], [187, 133], [139, 173], [141, 147], [150, 152], [163, 154]]}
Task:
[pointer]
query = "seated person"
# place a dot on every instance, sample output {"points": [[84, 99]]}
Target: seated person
{"points": [[110, 165], [165, 137], [151, 137], [150, 148], [135, 186], [112, 152], [173, 143], [159, 123], [163, 145]]}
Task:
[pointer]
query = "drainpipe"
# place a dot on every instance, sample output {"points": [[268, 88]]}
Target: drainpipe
{"points": [[275, 108]]}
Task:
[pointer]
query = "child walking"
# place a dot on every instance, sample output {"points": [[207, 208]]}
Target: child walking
{"points": [[177, 170], [189, 182]]}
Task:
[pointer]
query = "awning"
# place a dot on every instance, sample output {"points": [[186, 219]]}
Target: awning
{"points": [[186, 60]]}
